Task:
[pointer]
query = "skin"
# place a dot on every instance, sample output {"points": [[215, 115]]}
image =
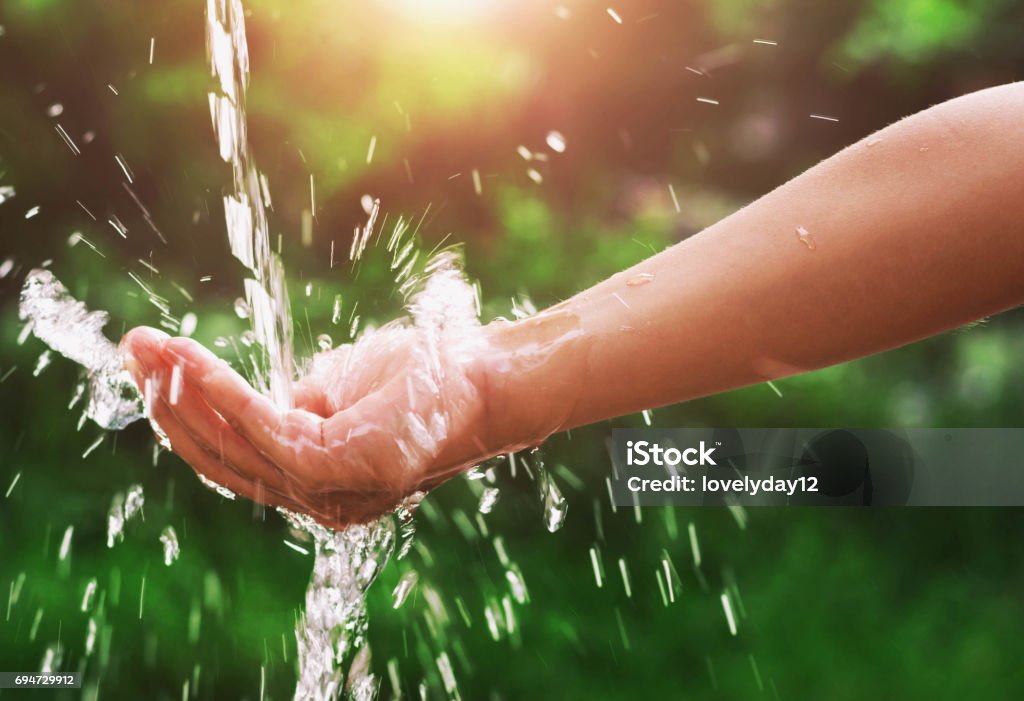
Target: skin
{"points": [[915, 230]]}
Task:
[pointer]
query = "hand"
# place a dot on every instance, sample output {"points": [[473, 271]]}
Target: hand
{"points": [[400, 411]]}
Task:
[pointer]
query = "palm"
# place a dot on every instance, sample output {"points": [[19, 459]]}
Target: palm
{"points": [[373, 422]]}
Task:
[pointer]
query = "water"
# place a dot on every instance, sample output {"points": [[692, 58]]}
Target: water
{"points": [[553, 503], [640, 279], [488, 499], [331, 635], [555, 141], [404, 588], [266, 296], [805, 237], [172, 550], [333, 655], [68, 327], [123, 508]]}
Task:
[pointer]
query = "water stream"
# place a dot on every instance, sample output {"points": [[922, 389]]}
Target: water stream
{"points": [[333, 655]]}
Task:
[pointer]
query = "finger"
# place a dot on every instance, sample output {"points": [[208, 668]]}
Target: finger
{"points": [[210, 466], [192, 443], [291, 440], [214, 434], [223, 474], [143, 339], [206, 428], [142, 346]]}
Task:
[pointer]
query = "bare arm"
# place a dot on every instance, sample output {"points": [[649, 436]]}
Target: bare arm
{"points": [[912, 231], [916, 230]]}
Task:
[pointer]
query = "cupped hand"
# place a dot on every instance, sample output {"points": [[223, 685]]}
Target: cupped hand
{"points": [[396, 413]]}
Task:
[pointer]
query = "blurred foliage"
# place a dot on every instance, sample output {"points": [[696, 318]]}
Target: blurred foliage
{"points": [[917, 30], [832, 604]]}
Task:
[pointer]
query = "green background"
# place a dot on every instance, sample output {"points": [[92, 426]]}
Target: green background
{"points": [[837, 604]]}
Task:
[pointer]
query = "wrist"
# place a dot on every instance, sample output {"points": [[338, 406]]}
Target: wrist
{"points": [[529, 375]]}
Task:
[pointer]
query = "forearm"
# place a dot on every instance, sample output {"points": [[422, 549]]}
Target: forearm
{"points": [[913, 231]]}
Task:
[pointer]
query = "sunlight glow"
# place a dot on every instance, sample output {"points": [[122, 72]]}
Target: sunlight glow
{"points": [[444, 11]]}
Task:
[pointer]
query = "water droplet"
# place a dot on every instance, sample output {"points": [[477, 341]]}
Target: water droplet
{"points": [[242, 308], [488, 499], [210, 484], [122, 509], [874, 142], [555, 141], [134, 500], [188, 324], [55, 110], [90, 590], [554, 503], [406, 524], [65, 543], [324, 342], [730, 618], [247, 338], [171, 548], [555, 507], [595, 561], [624, 571], [367, 202], [404, 588], [534, 175], [805, 238], [220, 342], [640, 279], [516, 583], [6, 193], [336, 310], [44, 362]]}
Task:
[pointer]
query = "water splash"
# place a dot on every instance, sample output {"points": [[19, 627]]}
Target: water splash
{"points": [[488, 499], [171, 548], [331, 635], [213, 486], [333, 656], [123, 508], [42, 363], [68, 327], [266, 296], [87, 596], [404, 587], [554, 505]]}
